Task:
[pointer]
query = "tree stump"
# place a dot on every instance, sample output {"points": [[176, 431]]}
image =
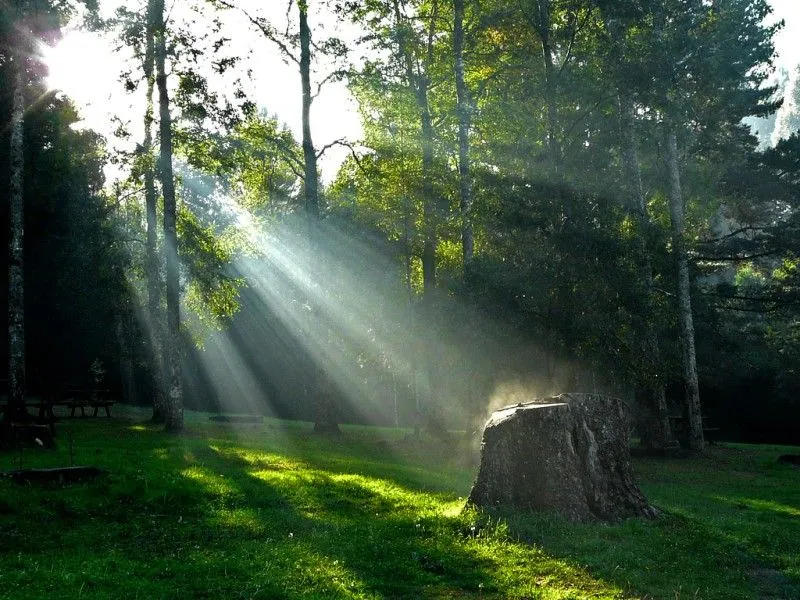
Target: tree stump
{"points": [[568, 454]]}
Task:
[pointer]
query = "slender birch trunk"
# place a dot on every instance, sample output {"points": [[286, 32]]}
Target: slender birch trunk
{"points": [[463, 108], [152, 260], [676, 211], [174, 416], [16, 280]]}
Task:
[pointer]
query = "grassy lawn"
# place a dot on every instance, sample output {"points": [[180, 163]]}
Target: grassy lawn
{"points": [[275, 512]]}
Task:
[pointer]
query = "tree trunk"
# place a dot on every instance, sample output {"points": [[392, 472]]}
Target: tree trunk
{"points": [[174, 416], [309, 153], [676, 211], [651, 392], [152, 262], [464, 109], [326, 418], [16, 280], [125, 357]]}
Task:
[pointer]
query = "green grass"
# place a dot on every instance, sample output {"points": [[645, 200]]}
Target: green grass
{"points": [[275, 512]]}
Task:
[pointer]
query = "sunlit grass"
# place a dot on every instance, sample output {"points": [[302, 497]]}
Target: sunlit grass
{"points": [[224, 513]]}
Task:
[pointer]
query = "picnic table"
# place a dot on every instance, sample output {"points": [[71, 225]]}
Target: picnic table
{"points": [[72, 397], [77, 397]]}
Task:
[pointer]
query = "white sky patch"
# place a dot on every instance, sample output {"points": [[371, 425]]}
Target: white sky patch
{"points": [[787, 42], [86, 67]]}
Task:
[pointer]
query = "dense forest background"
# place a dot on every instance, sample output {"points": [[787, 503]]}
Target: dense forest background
{"points": [[540, 189]]}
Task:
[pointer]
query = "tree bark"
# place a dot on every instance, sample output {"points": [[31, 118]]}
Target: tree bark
{"points": [[174, 416], [568, 454], [16, 280], [676, 211], [152, 260], [309, 153], [126, 371], [463, 107]]}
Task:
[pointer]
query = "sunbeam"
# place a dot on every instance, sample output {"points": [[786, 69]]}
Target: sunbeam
{"points": [[330, 315]]}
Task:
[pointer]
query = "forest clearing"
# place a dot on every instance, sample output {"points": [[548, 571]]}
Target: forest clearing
{"points": [[400, 299], [277, 512]]}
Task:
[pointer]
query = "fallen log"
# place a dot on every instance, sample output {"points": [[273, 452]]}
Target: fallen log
{"points": [[57, 474]]}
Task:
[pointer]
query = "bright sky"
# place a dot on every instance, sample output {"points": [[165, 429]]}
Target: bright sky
{"points": [[787, 42], [83, 66]]}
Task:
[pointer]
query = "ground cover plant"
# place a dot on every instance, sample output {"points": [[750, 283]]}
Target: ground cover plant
{"points": [[276, 512]]}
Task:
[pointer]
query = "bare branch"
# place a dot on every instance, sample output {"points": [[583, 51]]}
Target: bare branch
{"points": [[267, 30], [327, 79], [344, 143]]}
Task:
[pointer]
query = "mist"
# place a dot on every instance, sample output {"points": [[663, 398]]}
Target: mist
{"points": [[338, 316]]}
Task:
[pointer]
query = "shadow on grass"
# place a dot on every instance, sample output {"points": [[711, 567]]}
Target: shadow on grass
{"points": [[729, 530], [252, 514], [192, 517], [371, 529]]}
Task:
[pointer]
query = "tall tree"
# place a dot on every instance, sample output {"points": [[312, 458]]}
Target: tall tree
{"points": [[685, 318], [152, 261], [309, 152], [732, 79], [618, 18], [463, 107], [16, 277], [417, 75], [325, 419], [174, 413]]}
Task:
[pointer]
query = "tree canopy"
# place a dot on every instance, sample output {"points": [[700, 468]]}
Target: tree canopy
{"points": [[542, 193]]}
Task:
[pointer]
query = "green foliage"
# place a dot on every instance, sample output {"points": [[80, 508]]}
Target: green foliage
{"points": [[211, 293]]}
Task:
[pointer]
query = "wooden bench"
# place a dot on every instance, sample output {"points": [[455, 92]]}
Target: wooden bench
{"points": [[75, 397]]}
